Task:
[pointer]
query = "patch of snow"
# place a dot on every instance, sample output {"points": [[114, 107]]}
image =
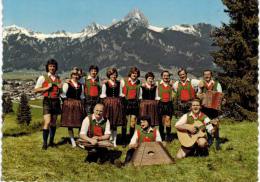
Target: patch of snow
{"points": [[188, 29], [156, 29]]}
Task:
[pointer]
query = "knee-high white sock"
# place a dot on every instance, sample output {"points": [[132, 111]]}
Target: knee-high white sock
{"points": [[114, 136], [73, 143], [111, 136]]}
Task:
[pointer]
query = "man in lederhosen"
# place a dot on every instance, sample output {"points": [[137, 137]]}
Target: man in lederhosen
{"points": [[165, 105], [92, 89], [184, 124], [185, 90], [205, 85], [49, 86], [130, 91]]}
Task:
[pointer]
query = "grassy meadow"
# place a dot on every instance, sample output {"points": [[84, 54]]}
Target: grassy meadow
{"points": [[22, 75], [24, 160]]}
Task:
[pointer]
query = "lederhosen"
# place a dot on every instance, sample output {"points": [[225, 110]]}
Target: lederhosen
{"points": [[113, 109], [165, 105], [131, 92], [148, 104], [73, 111], [51, 101], [92, 90], [211, 113], [184, 95]]}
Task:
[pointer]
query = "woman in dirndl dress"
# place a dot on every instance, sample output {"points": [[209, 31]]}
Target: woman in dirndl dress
{"points": [[72, 108], [148, 105], [113, 107]]}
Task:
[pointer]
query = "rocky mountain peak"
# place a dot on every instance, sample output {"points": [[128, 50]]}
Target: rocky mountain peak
{"points": [[14, 29], [93, 27], [137, 15], [60, 32]]}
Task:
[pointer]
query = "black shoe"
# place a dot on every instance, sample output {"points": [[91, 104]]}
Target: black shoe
{"points": [[91, 158], [44, 147], [168, 138], [217, 144], [118, 163], [124, 144], [203, 152], [51, 144], [218, 147]]}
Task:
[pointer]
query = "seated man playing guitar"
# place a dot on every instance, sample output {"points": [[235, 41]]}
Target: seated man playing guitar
{"points": [[191, 130]]}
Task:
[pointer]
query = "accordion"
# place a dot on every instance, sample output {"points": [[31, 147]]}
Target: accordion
{"points": [[212, 100]]}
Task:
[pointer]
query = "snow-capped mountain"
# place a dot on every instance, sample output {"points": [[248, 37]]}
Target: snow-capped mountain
{"points": [[130, 41], [87, 32]]}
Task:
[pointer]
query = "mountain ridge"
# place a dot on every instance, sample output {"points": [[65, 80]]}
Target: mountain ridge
{"points": [[130, 41]]}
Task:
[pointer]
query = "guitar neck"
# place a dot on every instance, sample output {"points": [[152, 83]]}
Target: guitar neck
{"points": [[223, 115]]}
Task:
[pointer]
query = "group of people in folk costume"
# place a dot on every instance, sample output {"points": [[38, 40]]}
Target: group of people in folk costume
{"points": [[98, 109]]}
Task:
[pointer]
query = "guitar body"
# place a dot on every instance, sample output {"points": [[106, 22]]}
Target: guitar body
{"points": [[187, 139]]}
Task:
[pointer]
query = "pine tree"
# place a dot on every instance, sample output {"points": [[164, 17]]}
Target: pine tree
{"points": [[23, 111], [238, 55], [7, 103]]}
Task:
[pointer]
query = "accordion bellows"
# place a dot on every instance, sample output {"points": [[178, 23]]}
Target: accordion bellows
{"points": [[212, 99]]}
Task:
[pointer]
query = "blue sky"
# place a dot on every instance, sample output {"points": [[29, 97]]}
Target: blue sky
{"points": [[73, 15]]}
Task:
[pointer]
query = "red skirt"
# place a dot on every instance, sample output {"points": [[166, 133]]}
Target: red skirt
{"points": [[72, 113], [113, 111], [150, 108]]}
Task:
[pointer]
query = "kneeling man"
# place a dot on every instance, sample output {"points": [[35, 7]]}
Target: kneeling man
{"points": [[94, 129], [185, 124]]}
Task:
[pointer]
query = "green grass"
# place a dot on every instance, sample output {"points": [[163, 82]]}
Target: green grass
{"points": [[28, 75], [21, 75], [37, 102], [23, 160]]}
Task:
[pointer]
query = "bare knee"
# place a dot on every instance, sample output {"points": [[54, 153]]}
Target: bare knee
{"points": [[47, 120], [133, 120], [202, 142], [167, 121], [163, 120], [182, 153]]}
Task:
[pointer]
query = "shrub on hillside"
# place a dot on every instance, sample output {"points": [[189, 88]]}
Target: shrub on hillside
{"points": [[23, 111], [7, 103]]}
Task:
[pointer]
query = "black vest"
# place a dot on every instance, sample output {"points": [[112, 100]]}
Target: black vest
{"points": [[148, 94], [74, 93], [113, 91]]}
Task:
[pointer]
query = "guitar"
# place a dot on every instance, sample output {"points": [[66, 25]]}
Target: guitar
{"points": [[188, 139]]}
